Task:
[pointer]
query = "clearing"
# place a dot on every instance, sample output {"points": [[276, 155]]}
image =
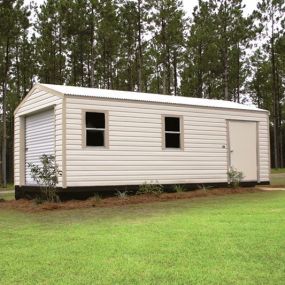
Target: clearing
{"points": [[232, 239]]}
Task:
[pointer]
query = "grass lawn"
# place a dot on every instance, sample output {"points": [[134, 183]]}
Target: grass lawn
{"points": [[9, 196], [277, 170], [234, 239], [10, 186], [277, 176]]}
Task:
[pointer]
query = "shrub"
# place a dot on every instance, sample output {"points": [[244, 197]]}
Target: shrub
{"points": [[150, 188], [95, 199], [39, 200], [122, 194], [204, 187], [179, 188], [46, 177], [235, 177]]}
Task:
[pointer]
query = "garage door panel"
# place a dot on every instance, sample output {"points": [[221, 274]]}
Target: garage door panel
{"points": [[39, 139]]}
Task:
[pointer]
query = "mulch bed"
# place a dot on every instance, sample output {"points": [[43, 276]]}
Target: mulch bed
{"points": [[32, 206]]}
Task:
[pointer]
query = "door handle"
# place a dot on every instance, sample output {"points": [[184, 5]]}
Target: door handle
{"points": [[232, 150]]}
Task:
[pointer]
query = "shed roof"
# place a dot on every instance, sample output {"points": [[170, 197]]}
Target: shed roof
{"points": [[147, 97]]}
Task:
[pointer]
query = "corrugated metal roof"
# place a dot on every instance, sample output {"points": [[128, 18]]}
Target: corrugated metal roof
{"points": [[147, 97]]}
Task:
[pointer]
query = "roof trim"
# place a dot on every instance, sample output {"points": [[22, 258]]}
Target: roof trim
{"points": [[45, 87], [62, 90], [41, 87]]}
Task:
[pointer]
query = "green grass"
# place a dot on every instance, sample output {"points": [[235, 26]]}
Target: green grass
{"points": [[235, 239], [277, 181], [277, 170], [10, 186], [277, 178], [9, 196]]}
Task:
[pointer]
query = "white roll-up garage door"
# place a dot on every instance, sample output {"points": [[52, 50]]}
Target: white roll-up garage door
{"points": [[39, 139]]}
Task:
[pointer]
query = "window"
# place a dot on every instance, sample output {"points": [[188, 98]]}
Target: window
{"points": [[172, 129], [95, 129]]}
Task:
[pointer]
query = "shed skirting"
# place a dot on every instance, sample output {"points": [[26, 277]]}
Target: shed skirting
{"points": [[30, 192]]}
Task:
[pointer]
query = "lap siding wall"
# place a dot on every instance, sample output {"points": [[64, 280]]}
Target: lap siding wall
{"points": [[135, 153]]}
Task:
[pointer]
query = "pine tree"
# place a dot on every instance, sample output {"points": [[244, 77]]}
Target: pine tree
{"points": [[270, 17], [13, 31], [200, 74], [50, 43], [127, 65], [231, 31], [108, 43], [168, 24]]}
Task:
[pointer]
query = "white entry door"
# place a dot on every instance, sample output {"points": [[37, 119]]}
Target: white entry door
{"points": [[39, 139], [243, 148]]}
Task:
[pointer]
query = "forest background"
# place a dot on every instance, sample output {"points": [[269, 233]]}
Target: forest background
{"points": [[219, 51]]}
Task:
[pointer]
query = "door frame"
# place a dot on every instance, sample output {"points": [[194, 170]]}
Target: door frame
{"points": [[257, 145], [23, 134]]}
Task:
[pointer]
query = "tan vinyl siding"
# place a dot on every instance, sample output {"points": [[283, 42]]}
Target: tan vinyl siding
{"points": [[36, 101], [135, 151]]}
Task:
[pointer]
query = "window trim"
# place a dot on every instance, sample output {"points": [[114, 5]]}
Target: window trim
{"points": [[84, 129], [181, 132]]}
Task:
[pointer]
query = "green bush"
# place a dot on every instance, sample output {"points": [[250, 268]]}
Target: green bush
{"points": [[235, 177], [39, 200], [179, 188], [204, 187], [95, 199], [150, 188], [46, 177], [122, 194]]}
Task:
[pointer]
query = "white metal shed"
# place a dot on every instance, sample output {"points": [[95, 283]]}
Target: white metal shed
{"points": [[105, 139]]}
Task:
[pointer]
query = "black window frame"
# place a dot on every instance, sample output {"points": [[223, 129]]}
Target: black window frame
{"points": [[103, 130], [179, 133]]}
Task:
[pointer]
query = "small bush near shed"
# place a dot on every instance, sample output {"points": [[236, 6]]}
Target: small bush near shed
{"points": [[46, 177], [95, 199], [179, 188], [235, 177], [205, 188], [122, 194], [150, 188]]}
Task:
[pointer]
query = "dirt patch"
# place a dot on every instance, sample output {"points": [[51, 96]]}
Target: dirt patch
{"points": [[32, 206], [272, 188]]}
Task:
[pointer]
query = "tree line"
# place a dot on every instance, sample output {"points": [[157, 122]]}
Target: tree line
{"points": [[148, 46]]}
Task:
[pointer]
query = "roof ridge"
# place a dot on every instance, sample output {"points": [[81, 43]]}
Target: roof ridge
{"points": [[148, 97]]}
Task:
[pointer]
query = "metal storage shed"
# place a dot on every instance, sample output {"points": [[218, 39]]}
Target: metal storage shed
{"points": [[105, 139]]}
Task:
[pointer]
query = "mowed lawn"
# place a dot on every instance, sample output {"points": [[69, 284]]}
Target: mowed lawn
{"points": [[277, 176], [234, 239]]}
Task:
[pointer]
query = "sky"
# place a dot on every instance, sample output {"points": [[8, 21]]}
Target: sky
{"points": [[190, 4]]}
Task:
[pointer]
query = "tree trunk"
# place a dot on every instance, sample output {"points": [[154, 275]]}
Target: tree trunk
{"points": [[279, 112], [226, 75], [104, 64], [4, 142], [92, 43], [168, 72], [164, 56], [164, 79], [175, 72], [157, 78], [225, 55], [275, 101], [4, 115], [139, 48], [238, 74], [199, 75], [61, 66]]}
